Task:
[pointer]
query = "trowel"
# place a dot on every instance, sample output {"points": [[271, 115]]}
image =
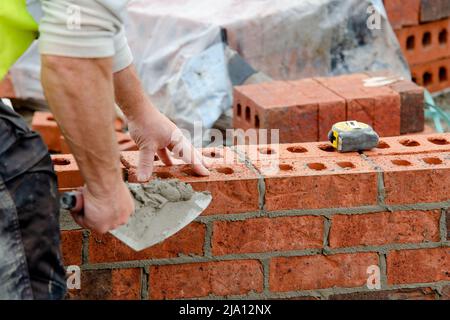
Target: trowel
{"points": [[163, 207]]}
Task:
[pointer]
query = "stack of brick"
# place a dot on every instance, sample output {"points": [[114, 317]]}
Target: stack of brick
{"points": [[305, 110], [422, 28], [44, 123], [316, 228]]}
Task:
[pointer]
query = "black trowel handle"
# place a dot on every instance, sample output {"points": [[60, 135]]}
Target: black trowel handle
{"points": [[72, 201]]}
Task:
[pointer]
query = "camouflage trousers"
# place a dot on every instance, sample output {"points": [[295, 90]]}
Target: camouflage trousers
{"points": [[30, 256]]}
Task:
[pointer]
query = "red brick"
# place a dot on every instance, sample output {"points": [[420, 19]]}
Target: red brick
{"points": [[7, 88], [432, 10], [434, 75], [415, 178], [107, 248], [399, 294], [125, 142], [202, 279], [111, 284], [384, 228], [400, 14], [292, 151], [412, 102], [378, 107], [267, 234], [294, 108], [44, 123], [69, 176], [332, 108], [412, 144], [425, 42], [119, 124], [64, 149], [315, 183], [320, 272], [445, 293], [71, 246], [213, 156], [418, 266], [234, 188]]}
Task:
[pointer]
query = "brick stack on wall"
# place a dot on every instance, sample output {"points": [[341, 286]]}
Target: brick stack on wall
{"points": [[305, 110], [310, 230], [423, 30]]}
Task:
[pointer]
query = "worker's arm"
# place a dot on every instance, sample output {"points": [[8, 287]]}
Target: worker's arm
{"points": [[152, 131], [81, 96]]}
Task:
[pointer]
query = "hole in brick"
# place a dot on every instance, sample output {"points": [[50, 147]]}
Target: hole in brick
{"points": [[163, 175], [432, 161], [297, 149], [409, 143], [346, 165], [411, 43], [267, 151], [327, 148], [443, 36], [316, 166], [426, 39], [439, 141], [190, 172], [443, 74], [404, 163], [51, 118], [427, 78], [239, 110], [60, 162], [383, 145], [225, 170], [414, 79], [256, 122], [247, 114], [212, 154], [286, 167]]}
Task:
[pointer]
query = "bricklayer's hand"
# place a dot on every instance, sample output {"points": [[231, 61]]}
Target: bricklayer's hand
{"points": [[155, 134], [106, 211]]}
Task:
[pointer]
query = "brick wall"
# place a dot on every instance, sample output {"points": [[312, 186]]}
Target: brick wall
{"points": [[422, 28], [308, 231]]}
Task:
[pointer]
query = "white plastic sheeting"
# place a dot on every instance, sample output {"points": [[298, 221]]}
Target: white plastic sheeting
{"points": [[180, 52]]}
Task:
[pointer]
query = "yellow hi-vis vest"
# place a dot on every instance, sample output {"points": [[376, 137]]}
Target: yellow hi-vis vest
{"points": [[17, 31]]}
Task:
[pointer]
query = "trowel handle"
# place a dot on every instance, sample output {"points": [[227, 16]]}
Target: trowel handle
{"points": [[72, 201]]}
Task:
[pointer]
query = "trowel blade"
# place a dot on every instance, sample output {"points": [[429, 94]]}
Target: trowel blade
{"points": [[163, 223]]}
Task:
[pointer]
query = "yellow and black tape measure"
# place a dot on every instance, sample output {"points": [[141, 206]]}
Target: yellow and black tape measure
{"points": [[350, 136]]}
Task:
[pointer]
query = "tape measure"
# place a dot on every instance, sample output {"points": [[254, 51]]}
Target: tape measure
{"points": [[351, 136]]}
